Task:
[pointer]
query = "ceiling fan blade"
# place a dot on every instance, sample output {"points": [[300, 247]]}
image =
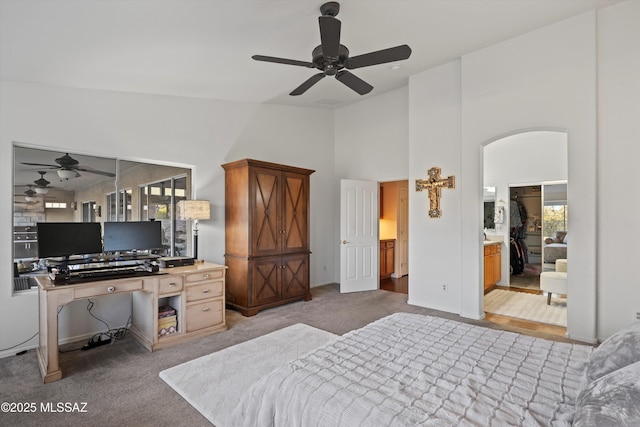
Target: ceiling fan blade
{"points": [[40, 164], [330, 37], [97, 172], [354, 82], [392, 54], [307, 84], [283, 61]]}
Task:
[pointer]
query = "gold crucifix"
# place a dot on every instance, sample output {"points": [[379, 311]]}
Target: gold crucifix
{"points": [[435, 184]]}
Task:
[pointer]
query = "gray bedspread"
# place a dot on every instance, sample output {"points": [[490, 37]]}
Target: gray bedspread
{"points": [[408, 369]]}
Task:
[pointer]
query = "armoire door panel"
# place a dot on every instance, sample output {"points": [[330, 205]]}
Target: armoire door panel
{"points": [[295, 276], [295, 213], [265, 281], [265, 228]]}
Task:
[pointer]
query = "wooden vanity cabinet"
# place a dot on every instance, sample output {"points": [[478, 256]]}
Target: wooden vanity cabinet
{"points": [[266, 234], [387, 258], [492, 265]]}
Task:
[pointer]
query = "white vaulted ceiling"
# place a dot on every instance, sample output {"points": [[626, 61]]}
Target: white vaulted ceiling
{"points": [[203, 48]]}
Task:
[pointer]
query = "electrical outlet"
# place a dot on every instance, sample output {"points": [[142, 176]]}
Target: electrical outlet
{"points": [[445, 288]]}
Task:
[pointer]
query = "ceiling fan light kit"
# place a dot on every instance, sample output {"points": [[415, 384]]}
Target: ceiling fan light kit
{"points": [[332, 58], [66, 173]]}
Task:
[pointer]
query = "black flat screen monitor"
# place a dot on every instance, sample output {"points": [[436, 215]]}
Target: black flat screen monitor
{"points": [[132, 236], [63, 239]]}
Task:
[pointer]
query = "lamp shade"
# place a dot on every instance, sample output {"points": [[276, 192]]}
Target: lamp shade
{"points": [[193, 209]]}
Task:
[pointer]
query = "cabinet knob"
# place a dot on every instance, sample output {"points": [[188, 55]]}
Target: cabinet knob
{"points": [[172, 284], [205, 291], [111, 289], [205, 308], [206, 276]]}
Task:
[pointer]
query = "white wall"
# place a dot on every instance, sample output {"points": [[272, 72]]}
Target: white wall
{"points": [[200, 133], [618, 160], [435, 251]]}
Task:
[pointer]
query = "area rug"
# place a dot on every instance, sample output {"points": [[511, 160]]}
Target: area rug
{"points": [[527, 306], [214, 383]]}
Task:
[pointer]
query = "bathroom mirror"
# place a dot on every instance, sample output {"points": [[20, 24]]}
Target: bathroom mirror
{"points": [[489, 198]]}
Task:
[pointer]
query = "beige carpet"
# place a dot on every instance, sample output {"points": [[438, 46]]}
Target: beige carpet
{"points": [[527, 306], [214, 383]]}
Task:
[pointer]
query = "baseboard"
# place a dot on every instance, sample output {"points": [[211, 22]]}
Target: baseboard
{"points": [[15, 351]]}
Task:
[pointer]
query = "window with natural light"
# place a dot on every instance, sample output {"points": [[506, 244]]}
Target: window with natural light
{"points": [[55, 205], [554, 218]]}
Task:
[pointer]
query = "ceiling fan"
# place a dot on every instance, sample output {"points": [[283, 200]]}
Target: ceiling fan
{"points": [[68, 167], [29, 195], [331, 58], [42, 185]]}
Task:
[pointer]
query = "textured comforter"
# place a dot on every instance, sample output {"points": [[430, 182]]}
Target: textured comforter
{"points": [[408, 369]]}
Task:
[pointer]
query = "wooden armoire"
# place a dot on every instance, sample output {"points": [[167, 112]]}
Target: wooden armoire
{"points": [[266, 235]]}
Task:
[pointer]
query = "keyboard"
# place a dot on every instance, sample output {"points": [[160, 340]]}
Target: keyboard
{"points": [[23, 283], [111, 272]]}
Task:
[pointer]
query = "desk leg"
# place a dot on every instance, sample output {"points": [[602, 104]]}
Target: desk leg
{"points": [[48, 325]]}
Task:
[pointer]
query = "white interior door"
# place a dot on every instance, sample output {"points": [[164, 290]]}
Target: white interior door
{"points": [[359, 247]]}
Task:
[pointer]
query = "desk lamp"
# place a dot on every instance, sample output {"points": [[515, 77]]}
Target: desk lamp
{"points": [[194, 210]]}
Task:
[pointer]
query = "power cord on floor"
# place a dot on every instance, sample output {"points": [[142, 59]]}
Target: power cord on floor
{"points": [[19, 344], [103, 338]]}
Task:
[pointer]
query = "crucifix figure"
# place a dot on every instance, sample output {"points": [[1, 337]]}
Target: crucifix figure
{"points": [[435, 184]]}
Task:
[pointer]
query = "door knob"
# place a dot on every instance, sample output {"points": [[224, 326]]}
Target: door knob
{"points": [[344, 242]]}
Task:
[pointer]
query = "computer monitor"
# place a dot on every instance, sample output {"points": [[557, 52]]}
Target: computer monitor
{"points": [[64, 239], [132, 236]]}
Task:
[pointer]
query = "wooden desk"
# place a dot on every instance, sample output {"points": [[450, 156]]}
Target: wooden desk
{"points": [[196, 292]]}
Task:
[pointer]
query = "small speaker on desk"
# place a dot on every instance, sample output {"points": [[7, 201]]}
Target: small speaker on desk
{"points": [[178, 261]]}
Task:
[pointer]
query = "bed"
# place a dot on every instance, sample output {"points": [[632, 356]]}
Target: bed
{"points": [[409, 369]]}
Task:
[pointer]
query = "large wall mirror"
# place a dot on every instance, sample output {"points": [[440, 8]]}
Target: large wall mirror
{"points": [[55, 186]]}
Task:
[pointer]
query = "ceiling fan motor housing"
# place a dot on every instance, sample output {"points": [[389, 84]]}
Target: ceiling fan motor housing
{"points": [[330, 68]]}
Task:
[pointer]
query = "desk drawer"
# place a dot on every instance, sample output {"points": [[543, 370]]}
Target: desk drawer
{"points": [[204, 314], [108, 288], [205, 275], [170, 285], [211, 289]]}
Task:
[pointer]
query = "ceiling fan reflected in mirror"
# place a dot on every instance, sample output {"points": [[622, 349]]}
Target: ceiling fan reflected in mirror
{"points": [[332, 58], [67, 167], [30, 195], [42, 184]]}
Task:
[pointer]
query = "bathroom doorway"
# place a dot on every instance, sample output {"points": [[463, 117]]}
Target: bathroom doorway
{"points": [[394, 236]]}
